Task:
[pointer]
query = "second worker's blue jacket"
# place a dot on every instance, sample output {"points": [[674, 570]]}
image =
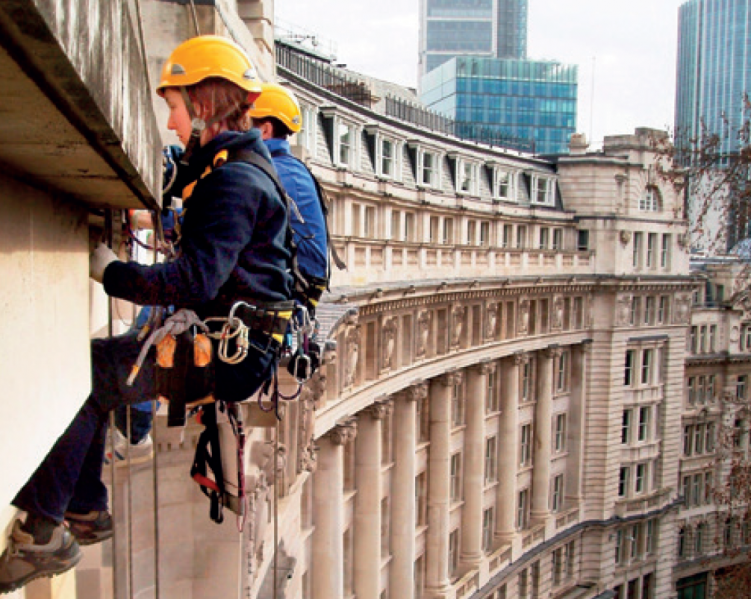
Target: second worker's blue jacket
{"points": [[310, 236]]}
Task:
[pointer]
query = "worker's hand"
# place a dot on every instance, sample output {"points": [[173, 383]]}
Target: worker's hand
{"points": [[99, 260], [140, 219], [171, 156]]}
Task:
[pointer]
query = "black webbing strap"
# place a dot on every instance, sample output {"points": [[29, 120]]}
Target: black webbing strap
{"points": [[208, 456]]}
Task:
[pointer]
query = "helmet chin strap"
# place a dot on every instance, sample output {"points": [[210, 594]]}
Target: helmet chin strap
{"points": [[198, 125]]}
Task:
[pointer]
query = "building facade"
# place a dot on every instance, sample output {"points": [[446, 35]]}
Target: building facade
{"points": [[450, 28], [503, 404], [528, 105]]}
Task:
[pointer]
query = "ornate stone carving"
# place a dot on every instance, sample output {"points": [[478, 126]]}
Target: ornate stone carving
{"points": [[552, 352], [449, 379], [343, 433], [491, 320], [423, 333], [520, 359], [353, 349], [625, 237], [305, 443], [623, 309], [380, 409], [416, 392], [558, 313], [458, 314], [682, 309], [523, 316], [485, 368], [388, 339]]}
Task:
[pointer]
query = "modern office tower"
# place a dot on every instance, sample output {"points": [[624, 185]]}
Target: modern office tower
{"points": [[714, 58], [449, 28], [529, 105], [713, 78]]}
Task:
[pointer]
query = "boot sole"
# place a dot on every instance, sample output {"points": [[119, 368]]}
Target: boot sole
{"points": [[46, 573]]}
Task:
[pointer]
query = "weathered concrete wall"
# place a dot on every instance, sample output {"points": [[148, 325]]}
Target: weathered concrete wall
{"points": [[44, 307], [87, 60]]}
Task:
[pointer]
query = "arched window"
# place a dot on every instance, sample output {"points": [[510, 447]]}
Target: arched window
{"points": [[650, 201]]}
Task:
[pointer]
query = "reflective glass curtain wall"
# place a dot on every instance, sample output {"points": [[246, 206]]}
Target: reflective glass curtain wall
{"points": [[713, 71]]}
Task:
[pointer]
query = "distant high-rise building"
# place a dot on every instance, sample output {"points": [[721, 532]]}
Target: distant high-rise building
{"points": [[714, 68], [493, 28]]}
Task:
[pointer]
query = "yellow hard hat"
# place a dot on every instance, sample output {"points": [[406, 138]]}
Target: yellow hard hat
{"points": [[209, 56], [277, 102]]}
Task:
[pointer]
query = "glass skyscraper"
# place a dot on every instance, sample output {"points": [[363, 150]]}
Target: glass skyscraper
{"points": [[714, 69], [493, 28], [525, 104]]}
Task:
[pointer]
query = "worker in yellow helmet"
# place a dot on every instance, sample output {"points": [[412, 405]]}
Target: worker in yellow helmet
{"points": [[276, 113], [233, 246]]}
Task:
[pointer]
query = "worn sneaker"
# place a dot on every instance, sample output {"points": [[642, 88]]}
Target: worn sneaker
{"points": [[24, 560], [90, 528], [117, 446]]}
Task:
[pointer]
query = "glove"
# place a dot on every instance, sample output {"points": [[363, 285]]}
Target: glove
{"points": [[99, 260]]}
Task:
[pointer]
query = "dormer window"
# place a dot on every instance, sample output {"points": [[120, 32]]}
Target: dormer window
{"points": [[542, 190], [385, 151], [342, 137], [344, 143], [505, 185], [307, 135], [650, 199], [467, 177]]}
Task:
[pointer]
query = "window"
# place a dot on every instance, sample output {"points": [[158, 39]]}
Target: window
{"points": [[640, 484], [467, 177], [650, 541], [421, 499], [491, 405], [646, 365], [561, 375], [453, 552], [525, 458], [623, 481], [746, 339], [505, 185], [557, 239], [626, 426], [507, 235], [524, 584], [693, 339], [522, 509], [633, 540], [619, 546], [448, 231], [688, 440], [741, 386], [345, 138], [691, 386], [650, 200], [542, 192], [651, 249], [712, 338], [662, 310], [491, 466], [665, 252], [582, 242], [557, 566], [544, 238], [644, 417], [386, 157], [699, 533], [456, 477], [636, 259], [427, 166], [635, 309], [556, 500], [570, 558], [703, 339], [487, 530], [526, 382], [484, 233], [649, 310], [471, 232], [628, 373], [457, 405], [521, 237], [682, 542], [560, 433], [307, 134]]}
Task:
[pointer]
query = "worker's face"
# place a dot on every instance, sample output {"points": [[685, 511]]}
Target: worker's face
{"points": [[179, 119]]}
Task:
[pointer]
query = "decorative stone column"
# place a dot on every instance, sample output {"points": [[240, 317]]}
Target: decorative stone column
{"points": [[508, 456], [368, 451], [474, 460], [439, 491], [403, 508], [328, 509], [543, 432], [577, 416]]}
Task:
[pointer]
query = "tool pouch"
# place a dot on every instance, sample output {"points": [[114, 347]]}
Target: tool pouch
{"points": [[184, 373]]}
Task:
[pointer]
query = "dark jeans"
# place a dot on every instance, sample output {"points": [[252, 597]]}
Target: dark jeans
{"points": [[69, 478]]}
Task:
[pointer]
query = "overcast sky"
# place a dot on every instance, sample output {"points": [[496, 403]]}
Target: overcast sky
{"points": [[627, 48]]}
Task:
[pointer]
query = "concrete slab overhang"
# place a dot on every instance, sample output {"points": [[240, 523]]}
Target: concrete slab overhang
{"points": [[76, 115]]}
